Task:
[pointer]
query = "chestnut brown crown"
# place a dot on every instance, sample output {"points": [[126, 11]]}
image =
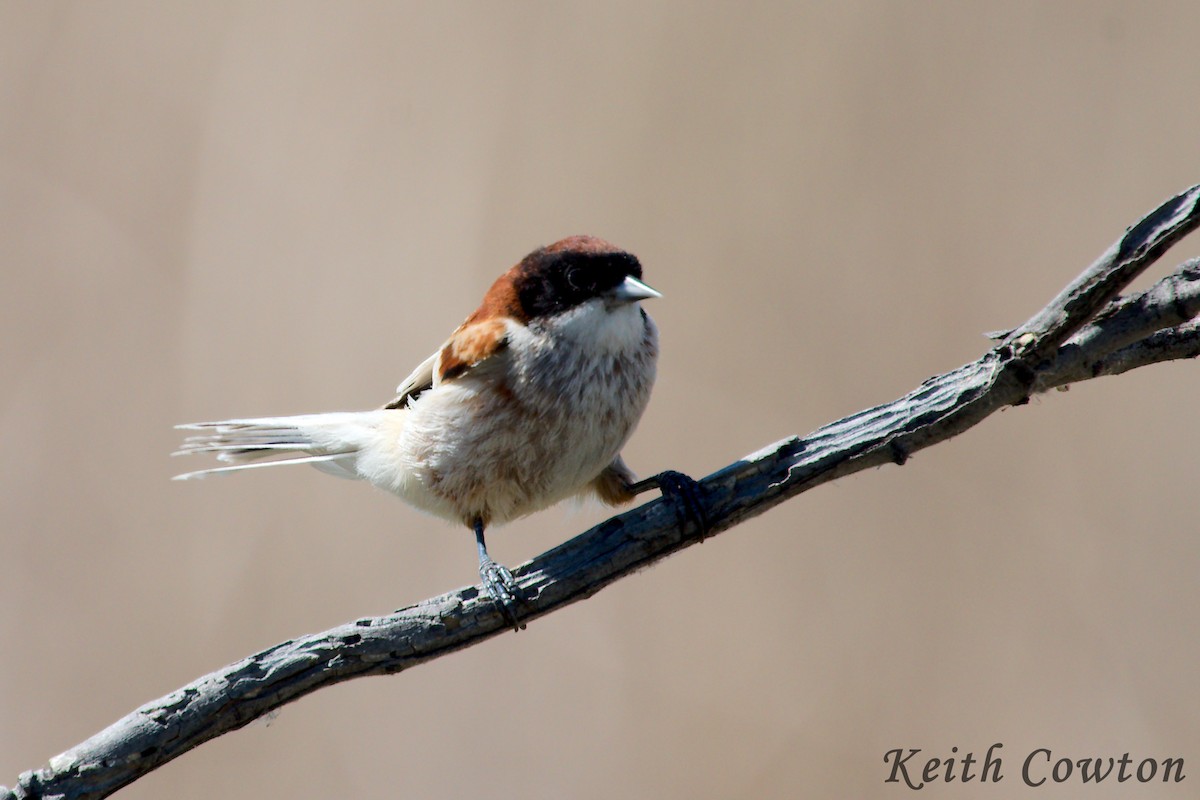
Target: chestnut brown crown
{"points": [[570, 272]]}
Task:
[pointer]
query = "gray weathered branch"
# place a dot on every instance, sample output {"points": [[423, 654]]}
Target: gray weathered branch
{"points": [[1083, 333]]}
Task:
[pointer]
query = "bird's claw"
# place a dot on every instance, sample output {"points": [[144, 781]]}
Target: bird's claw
{"points": [[685, 493], [502, 587]]}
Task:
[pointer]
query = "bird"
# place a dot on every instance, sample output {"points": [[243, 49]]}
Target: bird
{"points": [[529, 402]]}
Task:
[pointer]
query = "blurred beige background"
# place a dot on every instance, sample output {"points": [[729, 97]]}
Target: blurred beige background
{"points": [[222, 209]]}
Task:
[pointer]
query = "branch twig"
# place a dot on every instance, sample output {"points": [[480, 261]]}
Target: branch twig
{"points": [[1083, 333]]}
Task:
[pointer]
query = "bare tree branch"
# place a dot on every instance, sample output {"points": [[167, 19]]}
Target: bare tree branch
{"points": [[1182, 341], [1127, 326], [1083, 333]]}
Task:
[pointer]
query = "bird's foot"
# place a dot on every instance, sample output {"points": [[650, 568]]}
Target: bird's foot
{"points": [[502, 587], [685, 494]]}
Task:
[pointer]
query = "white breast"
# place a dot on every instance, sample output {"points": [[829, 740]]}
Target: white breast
{"points": [[572, 392]]}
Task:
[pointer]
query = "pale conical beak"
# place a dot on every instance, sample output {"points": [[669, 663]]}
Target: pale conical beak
{"points": [[633, 290]]}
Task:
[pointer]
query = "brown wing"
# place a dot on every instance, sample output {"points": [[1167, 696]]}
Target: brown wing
{"points": [[471, 344], [481, 336]]}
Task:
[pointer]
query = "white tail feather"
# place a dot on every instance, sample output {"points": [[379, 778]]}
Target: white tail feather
{"points": [[328, 441], [204, 473]]}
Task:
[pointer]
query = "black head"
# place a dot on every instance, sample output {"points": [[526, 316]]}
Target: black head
{"points": [[553, 279]]}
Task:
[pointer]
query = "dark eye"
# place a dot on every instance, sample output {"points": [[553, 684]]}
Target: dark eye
{"points": [[579, 279]]}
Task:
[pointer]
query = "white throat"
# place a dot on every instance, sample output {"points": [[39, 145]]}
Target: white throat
{"points": [[605, 329]]}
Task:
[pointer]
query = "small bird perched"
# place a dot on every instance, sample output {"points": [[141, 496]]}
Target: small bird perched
{"points": [[529, 402]]}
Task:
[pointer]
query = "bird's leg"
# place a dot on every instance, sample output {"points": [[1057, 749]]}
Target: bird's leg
{"points": [[500, 584], [685, 494]]}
